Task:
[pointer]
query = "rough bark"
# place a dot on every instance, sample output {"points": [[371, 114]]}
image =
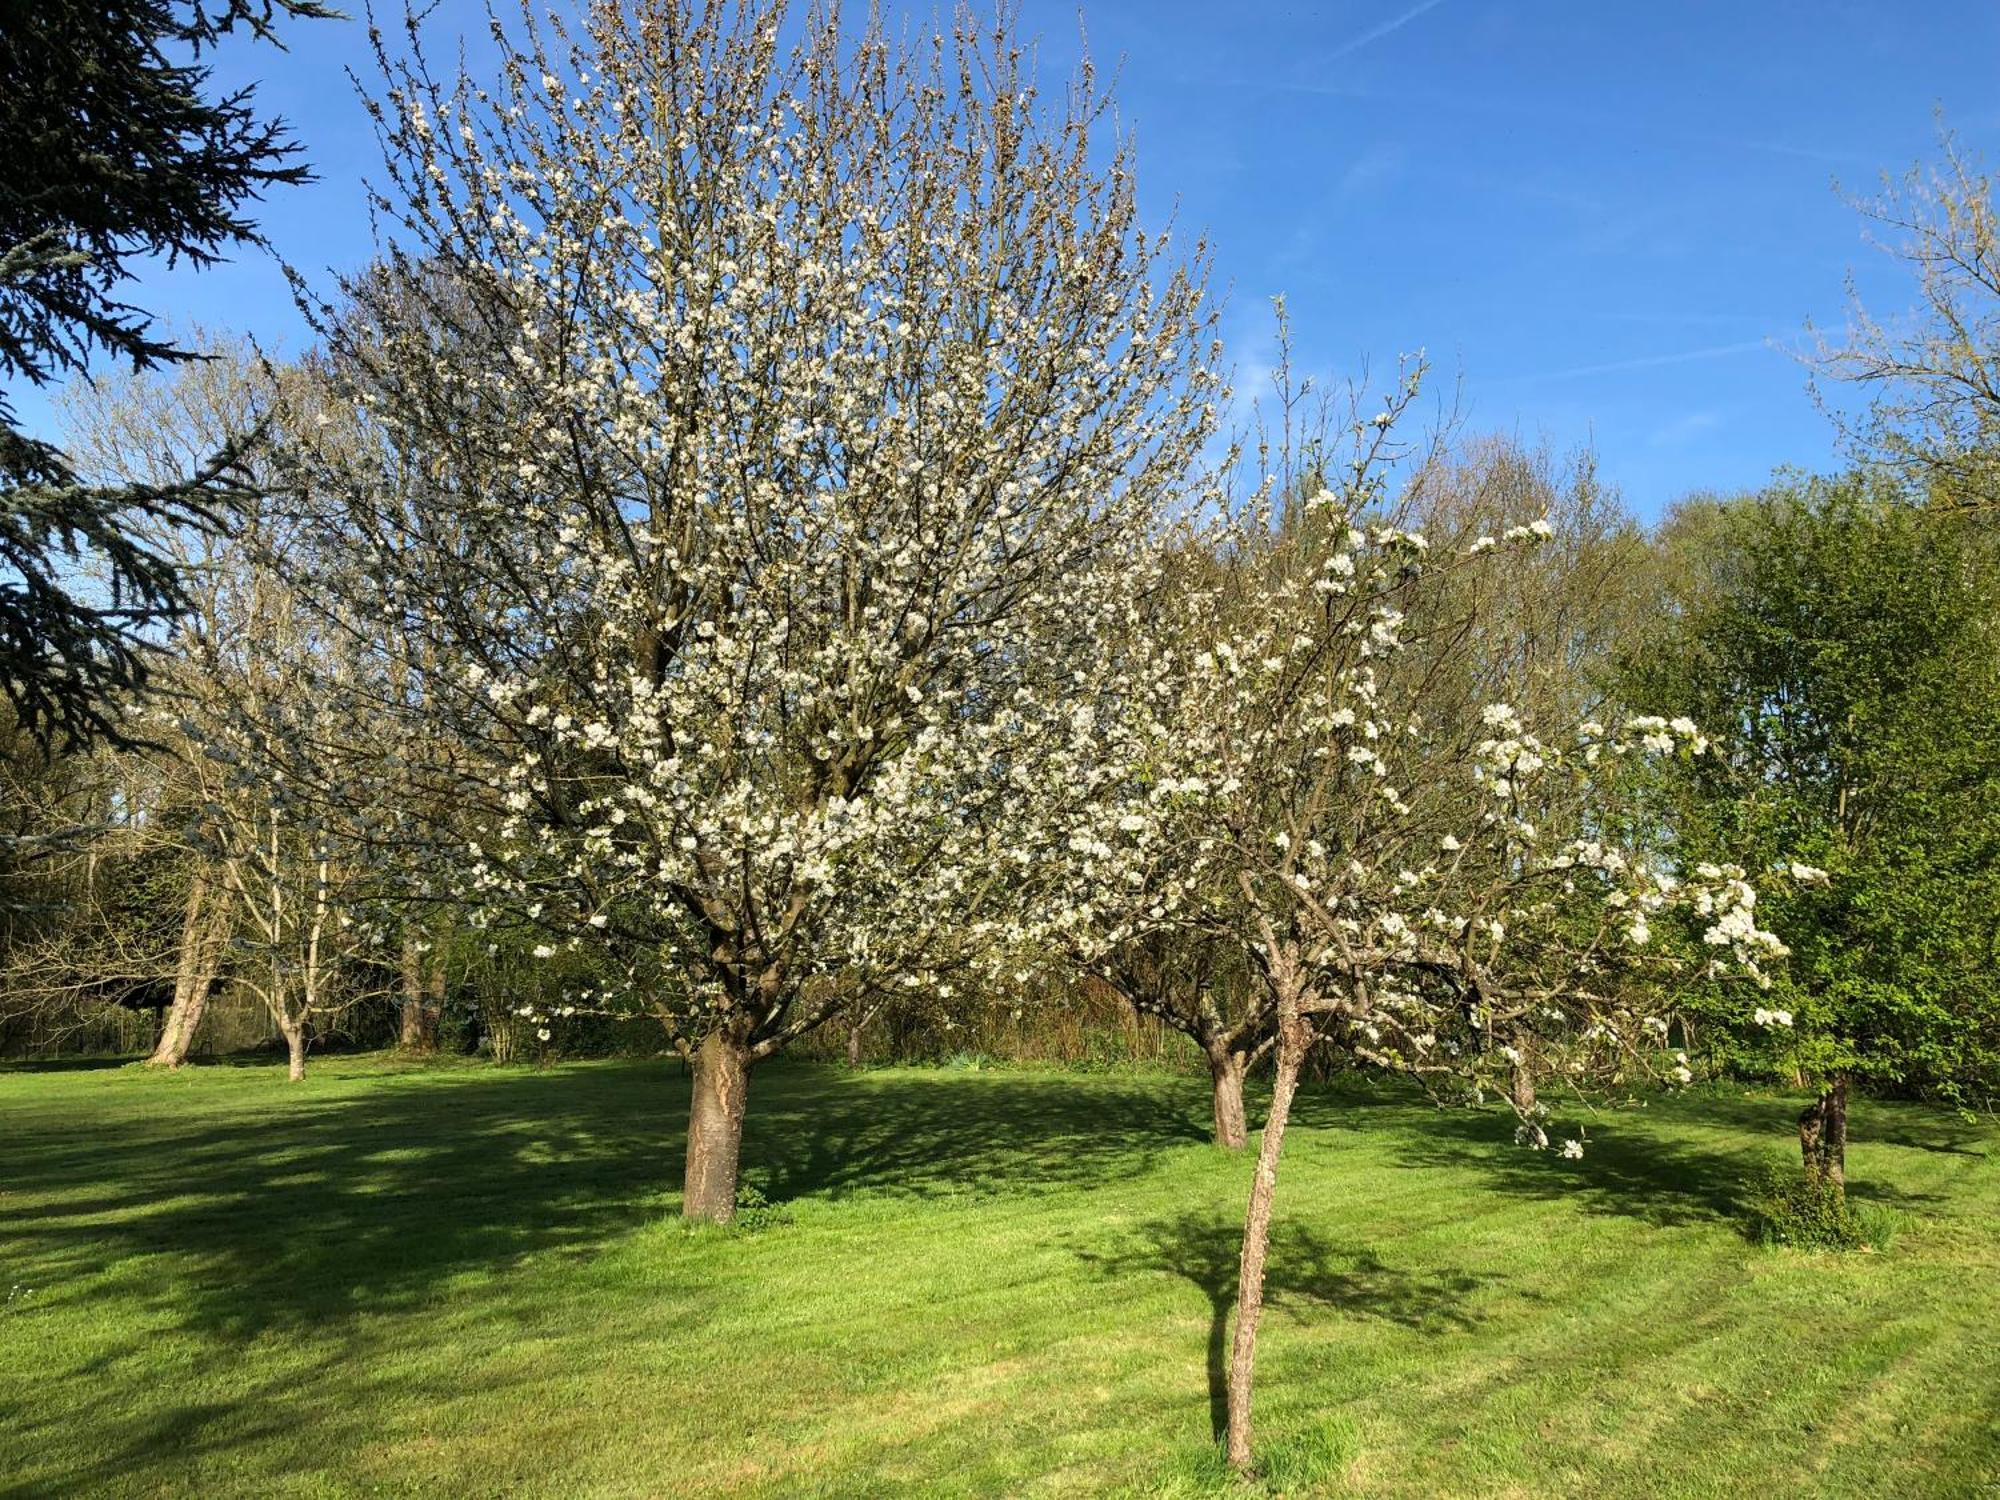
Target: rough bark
{"points": [[1226, 1069], [295, 1048], [715, 1129], [204, 934], [422, 990], [854, 1046], [1823, 1134], [1293, 1037], [414, 1032]]}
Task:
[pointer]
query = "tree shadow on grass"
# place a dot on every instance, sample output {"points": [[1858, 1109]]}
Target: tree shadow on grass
{"points": [[1941, 1137], [298, 1209], [1305, 1273], [925, 1134], [1695, 1159], [1868, 1190], [250, 1430], [1628, 1168]]}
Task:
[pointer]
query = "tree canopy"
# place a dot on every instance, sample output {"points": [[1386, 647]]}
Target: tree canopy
{"points": [[1839, 642]]}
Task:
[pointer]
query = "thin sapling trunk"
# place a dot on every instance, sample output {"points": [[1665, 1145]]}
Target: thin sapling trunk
{"points": [[1294, 1036]]}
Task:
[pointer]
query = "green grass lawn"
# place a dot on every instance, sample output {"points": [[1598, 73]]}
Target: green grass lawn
{"points": [[469, 1281]]}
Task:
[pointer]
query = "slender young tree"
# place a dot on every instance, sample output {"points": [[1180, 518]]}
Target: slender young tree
{"points": [[1417, 886], [264, 732], [825, 386]]}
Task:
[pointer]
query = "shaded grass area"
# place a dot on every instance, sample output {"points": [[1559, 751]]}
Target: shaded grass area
{"points": [[458, 1280]]}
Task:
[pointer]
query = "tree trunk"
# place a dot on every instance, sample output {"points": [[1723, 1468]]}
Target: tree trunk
{"points": [[295, 1047], [1521, 1079], [1293, 1036], [203, 933], [1823, 1134], [715, 1129], [1225, 1068], [419, 1011], [1835, 1144], [855, 1027], [1812, 1130]]}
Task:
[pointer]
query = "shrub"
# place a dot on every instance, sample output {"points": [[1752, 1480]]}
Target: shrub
{"points": [[1801, 1212], [755, 1211]]}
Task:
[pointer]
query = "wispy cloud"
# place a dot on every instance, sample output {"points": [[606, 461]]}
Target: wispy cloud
{"points": [[1376, 165], [1684, 317], [1646, 362], [1683, 430], [1386, 28]]}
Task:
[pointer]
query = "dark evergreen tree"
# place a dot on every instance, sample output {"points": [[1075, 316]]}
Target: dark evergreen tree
{"points": [[115, 150]]}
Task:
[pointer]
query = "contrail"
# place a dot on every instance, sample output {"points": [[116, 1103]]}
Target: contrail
{"points": [[1647, 362], [1383, 30]]}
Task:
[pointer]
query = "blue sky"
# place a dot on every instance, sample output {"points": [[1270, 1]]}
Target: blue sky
{"points": [[1608, 221]]}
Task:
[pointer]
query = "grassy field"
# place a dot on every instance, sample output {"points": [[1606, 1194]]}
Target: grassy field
{"points": [[468, 1281]]}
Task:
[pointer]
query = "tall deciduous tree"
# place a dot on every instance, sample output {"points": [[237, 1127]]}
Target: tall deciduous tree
{"points": [[1845, 645], [832, 385], [118, 151], [265, 732], [1932, 380]]}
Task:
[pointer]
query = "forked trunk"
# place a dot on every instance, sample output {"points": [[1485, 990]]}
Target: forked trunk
{"points": [[178, 1027], [295, 1048], [1225, 1068], [1293, 1037], [715, 1129], [856, 1025], [1823, 1134]]}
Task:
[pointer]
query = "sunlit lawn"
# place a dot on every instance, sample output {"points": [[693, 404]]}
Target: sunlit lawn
{"points": [[468, 1281]]}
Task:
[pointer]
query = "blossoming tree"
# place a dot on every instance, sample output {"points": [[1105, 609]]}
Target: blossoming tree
{"points": [[764, 430], [1418, 887]]}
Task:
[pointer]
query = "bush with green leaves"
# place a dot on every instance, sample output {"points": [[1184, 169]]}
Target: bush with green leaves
{"points": [[1842, 645]]}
